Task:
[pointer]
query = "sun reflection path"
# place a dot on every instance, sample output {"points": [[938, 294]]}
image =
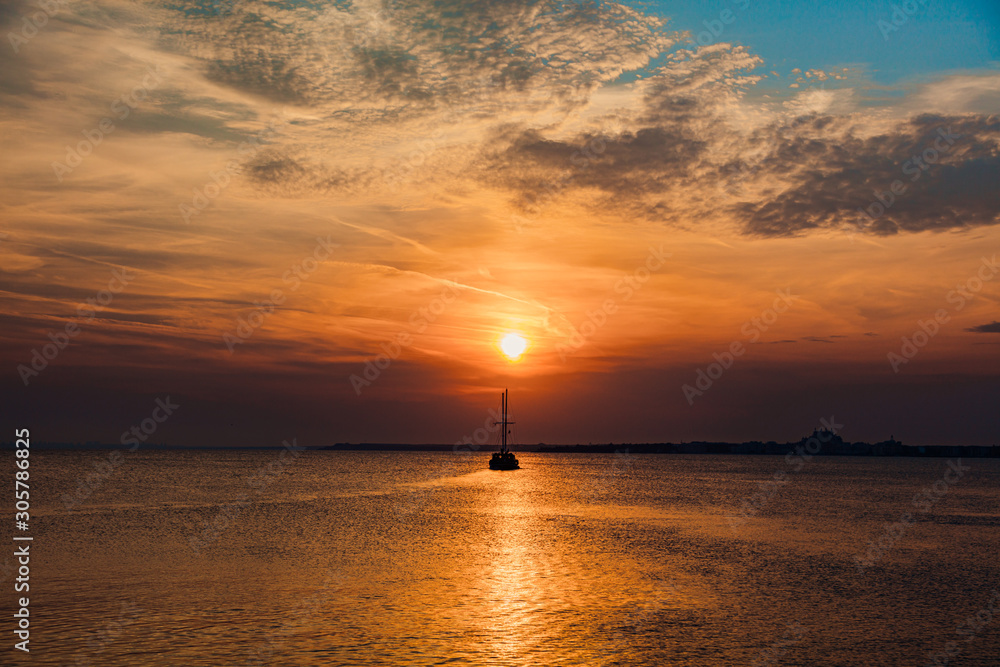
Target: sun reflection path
{"points": [[529, 598], [513, 584]]}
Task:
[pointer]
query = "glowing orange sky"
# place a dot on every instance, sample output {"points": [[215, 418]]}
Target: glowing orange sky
{"points": [[338, 204]]}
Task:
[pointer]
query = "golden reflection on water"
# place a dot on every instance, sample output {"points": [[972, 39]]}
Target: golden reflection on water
{"points": [[567, 561], [512, 579], [540, 594]]}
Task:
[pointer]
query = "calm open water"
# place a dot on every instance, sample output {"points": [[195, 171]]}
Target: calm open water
{"points": [[388, 558]]}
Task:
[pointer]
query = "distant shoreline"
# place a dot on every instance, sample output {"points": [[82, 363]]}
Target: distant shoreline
{"points": [[884, 449], [834, 447]]}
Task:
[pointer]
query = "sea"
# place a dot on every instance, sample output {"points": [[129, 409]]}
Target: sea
{"points": [[291, 557]]}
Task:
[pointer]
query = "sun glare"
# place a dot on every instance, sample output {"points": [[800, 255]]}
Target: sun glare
{"points": [[513, 346]]}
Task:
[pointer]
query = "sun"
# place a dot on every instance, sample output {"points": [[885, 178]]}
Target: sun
{"points": [[513, 346]]}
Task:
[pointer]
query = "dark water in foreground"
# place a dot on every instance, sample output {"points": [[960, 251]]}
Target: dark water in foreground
{"points": [[389, 558]]}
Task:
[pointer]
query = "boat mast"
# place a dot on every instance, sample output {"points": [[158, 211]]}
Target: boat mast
{"points": [[503, 447], [504, 422]]}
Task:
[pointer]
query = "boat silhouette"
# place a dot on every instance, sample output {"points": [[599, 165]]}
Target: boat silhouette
{"points": [[503, 459]]}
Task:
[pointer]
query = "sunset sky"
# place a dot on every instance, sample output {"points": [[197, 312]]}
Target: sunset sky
{"points": [[260, 198]]}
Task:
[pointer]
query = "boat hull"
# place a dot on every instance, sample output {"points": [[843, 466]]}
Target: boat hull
{"points": [[503, 466]]}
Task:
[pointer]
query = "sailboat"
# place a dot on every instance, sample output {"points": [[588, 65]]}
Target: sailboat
{"points": [[504, 459]]}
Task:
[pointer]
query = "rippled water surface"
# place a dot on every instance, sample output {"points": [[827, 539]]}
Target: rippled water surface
{"points": [[389, 558]]}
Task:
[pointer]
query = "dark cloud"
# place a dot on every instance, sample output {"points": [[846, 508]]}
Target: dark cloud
{"points": [[139, 318], [640, 170], [645, 163], [284, 174], [831, 177], [256, 70], [674, 155], [992, 327], [175, 120], [392, 72], [419, 54], [15, 78], [944, 170], [11, 13], [273, 169]]}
